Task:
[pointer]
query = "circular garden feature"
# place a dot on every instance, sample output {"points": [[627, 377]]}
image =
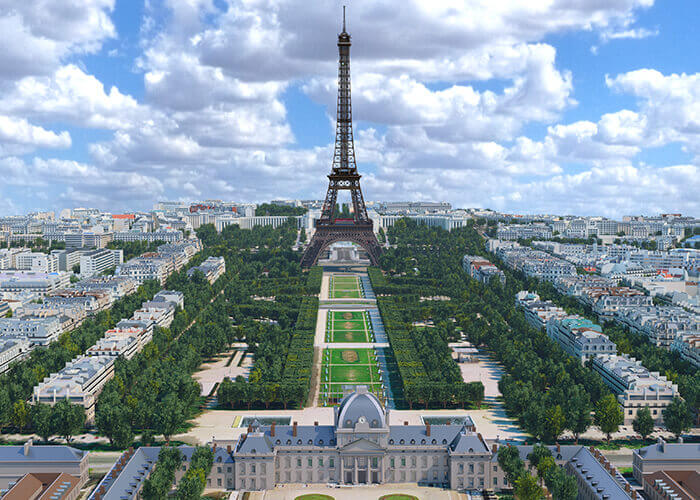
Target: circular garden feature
{"points": [[315, 496], [398, 496]]}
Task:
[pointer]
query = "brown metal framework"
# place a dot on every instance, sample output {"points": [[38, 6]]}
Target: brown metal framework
{"points": [[343, 176]]}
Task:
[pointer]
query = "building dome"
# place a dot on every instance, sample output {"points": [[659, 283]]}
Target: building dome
{"points": [[361, 406]]}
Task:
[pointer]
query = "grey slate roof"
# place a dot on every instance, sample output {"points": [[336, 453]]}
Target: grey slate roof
{"points": [[596, 473], [408, 435], [319, 435], [467, 442], [360, 404], [255, 443], [41, 453], [671, 451], [565, 453]]}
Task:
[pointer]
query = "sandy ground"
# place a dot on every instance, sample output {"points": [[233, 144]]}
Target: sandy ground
{"points": [[325, 286], [212, 373], [291, 491], [487, 371], [492, 423]]}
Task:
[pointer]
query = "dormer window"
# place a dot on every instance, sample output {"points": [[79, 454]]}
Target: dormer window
{"points": [[402, 441], [391, 441], [311, 441], [298, 441], [413, 441], [289, 441]]}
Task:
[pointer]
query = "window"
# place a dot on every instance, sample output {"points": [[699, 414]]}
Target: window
{"points": [[375, 462], [228, 469], [495, 481], [392, 463], [218, 482], [310, 462], [461, 467], [320, 461], [252, 468], [298, 462], [331, 463], [218, 469], [403, 462], [471, 468]]}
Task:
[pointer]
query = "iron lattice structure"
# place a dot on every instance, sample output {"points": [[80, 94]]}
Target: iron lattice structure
{"points": [[344, 176]]}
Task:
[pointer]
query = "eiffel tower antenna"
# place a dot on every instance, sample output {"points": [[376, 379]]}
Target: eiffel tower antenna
{"points": [[330, 227]]}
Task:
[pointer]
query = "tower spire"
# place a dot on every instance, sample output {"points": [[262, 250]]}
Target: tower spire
{"points": [[331, 226]]}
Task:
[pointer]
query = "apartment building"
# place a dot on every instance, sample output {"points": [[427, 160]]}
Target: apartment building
{"points": [[605, 306], [662, 324], [664, 456], [579, 337], [524, 231], [212, 268], [80, 382], [537, 312], [482, 270], [148, 267], [117, 286], [165, 236], [16, 461], [98, 261], [38, 331], [34, 282], [688, 346], [36, 261], [12, 349], [70, 315], [635, 386]]}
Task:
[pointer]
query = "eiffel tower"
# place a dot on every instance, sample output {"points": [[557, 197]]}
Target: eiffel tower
{"points": [[329, 227]]}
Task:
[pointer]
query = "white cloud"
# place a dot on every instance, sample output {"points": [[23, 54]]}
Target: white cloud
{"points": [[18, 136], [38, 35]]}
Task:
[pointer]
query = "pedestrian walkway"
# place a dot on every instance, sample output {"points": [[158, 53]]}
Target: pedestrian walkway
{"points": [[367, 287]]}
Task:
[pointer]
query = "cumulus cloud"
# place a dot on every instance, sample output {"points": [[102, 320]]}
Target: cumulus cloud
{"points": [[443, 93]]}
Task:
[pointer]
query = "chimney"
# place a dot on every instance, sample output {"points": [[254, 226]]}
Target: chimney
{"points": [[494, 448], [427, 429], [294, 429], [405, 422], [628, 488], [27, 447], [272, 429], [558, 448], [250, 428], [214, 447], [228, 449], [315, 424], [131, 450]]}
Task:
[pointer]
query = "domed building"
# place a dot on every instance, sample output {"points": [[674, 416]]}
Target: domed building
{"points": [[361, 448]]}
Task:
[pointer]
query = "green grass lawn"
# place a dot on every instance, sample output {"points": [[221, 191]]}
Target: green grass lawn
{"points": [[351, 357], [398, 496], [345, 287], [338, 316], [314, 496], [335, 391], [349, 336], [361, 374]]}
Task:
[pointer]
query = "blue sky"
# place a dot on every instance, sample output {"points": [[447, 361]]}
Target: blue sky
{"points": [[522, 107]]}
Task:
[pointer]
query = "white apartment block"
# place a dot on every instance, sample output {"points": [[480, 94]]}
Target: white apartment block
{"points": [[166, 236], [36, 261], [524, 231], [117, 286], [80, 382], [98, 261], [212, 268], [481, 269], [635, 386], [143, 269], [607, 305], [11, 350], [30, 281], [660, 323], [125, 341], [537, 312], [580, 337], [38, 331], [688, 346]]}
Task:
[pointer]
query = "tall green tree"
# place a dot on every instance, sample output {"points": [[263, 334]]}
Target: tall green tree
{"points": [[42, 420], [67, 419], [20, 415], [526, 488], [608, 415], [643, 424], [554, 422], [677, 417]]}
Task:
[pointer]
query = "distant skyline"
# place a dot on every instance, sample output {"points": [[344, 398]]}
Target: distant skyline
{"points": [[592, 109]]}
